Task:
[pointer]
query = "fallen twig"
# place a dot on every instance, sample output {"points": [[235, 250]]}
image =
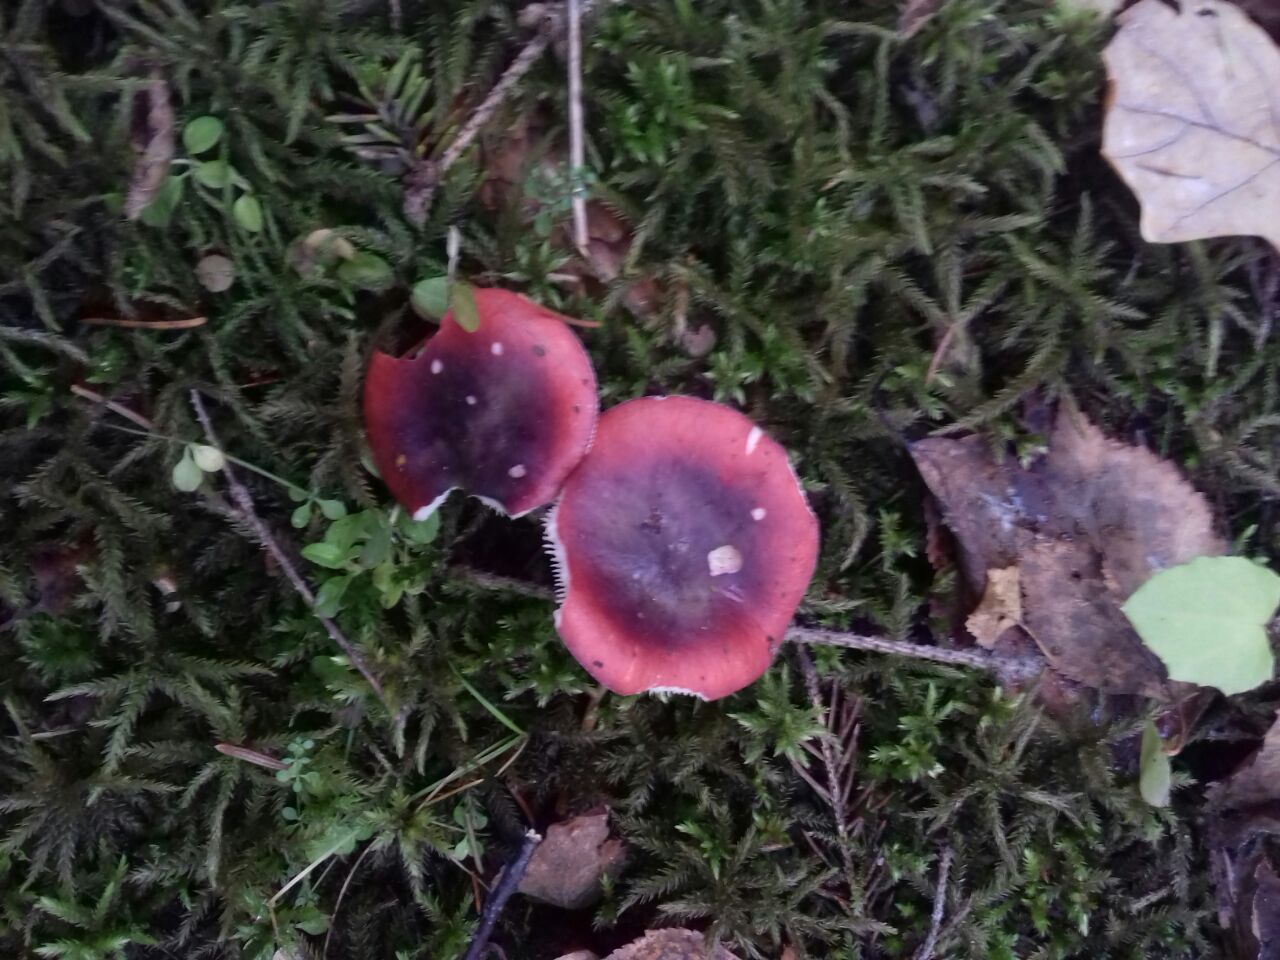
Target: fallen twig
{"points": [[577, 137], [939, 907], [511, 878], [186, 324], [242, 499], [1007, 669], [425, 175], [84, 393], [250, 756]]}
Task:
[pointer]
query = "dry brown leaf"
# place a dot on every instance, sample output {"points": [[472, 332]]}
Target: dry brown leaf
{"points": [[1000, 607], [153, 138], [1084, 528], [1193, 124], [673, 943], [568, 866], [1256, 781]]}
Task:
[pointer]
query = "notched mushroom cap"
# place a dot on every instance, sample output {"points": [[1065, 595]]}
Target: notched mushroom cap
{"points": [[504, 412], [683, 544]]}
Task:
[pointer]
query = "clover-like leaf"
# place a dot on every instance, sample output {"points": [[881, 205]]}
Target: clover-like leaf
{"points": [[430, 297], [1192, 126], [247, 212], [209, 459], [1206, 620], [201, 134], [187, 475]]}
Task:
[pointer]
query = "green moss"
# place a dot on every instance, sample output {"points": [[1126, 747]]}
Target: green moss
{"points": [[834, 201]]}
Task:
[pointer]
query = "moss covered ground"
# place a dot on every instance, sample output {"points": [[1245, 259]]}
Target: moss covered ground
{"points": [[814, 204]]}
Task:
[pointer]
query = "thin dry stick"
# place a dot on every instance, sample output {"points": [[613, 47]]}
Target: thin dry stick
{"points": [[577, 137], [240, 495], [84, 393], [511, 878], [939, 907], [186, 324], [426, 174], [1008, 669]]}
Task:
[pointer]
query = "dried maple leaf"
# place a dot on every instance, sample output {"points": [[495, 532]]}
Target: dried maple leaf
{"points": [[567, 867], [1193, 124], [1082, 528], [153, 138]]}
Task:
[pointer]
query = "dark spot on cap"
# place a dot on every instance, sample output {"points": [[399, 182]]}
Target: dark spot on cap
{"points": [[539, 350], [598, 663]]}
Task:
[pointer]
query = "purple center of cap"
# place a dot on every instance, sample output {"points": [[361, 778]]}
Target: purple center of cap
{"points": [[666, 547]]}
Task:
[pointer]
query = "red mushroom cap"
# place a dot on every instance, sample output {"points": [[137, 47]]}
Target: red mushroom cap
{"points": [[683, 544], [504, 412]]}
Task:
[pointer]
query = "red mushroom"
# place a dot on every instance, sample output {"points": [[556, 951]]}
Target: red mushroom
{"points": [[503, 412], [683, 544]]}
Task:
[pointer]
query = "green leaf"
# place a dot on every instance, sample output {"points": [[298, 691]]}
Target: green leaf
{"points": [[201, 134], [328, 555], [301, 515], [430, 297], [462, 300], [1207, 621], [314, 927], [332, 509], [159, 212], [1154, 770], [186, 475], [209, 459], [247, 212], [329, 596], [214, 174], [366, 271], [421, 532]]}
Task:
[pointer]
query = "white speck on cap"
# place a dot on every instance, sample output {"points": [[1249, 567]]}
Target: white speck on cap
{"points": [[437, 366], [496, 348], [725, 559], [759, 513], [753, 439], [471, 401], [517, 471]]}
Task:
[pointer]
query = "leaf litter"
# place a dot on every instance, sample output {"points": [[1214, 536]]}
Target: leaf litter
{"points": [[1193, 120], [1057, 546], [569, 866]]}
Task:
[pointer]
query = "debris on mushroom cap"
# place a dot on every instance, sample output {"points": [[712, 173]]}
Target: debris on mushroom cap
{"points": [[504, 412], [683, 544]]}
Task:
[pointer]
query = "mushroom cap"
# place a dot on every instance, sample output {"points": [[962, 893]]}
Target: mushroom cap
{"points": [[504, 412], [683, 545]]}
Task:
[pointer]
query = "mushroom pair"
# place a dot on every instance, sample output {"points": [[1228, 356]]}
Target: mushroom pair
{"points": [[681, 538]]}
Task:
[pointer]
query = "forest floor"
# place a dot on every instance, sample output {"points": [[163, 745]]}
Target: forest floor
{"points": [[271, 718]]}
